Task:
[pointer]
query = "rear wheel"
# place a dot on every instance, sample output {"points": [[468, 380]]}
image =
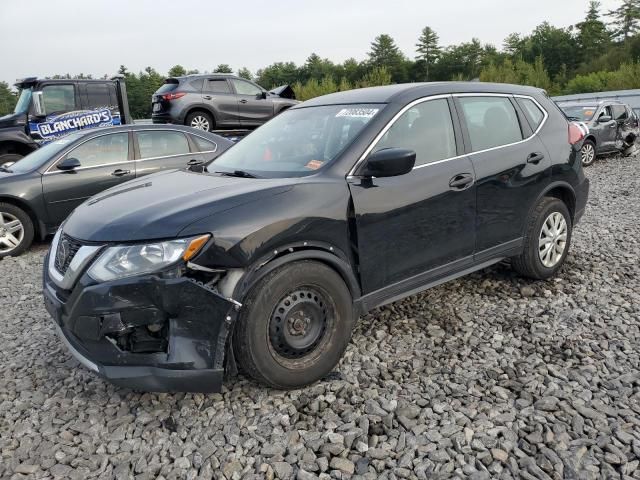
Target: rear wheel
{"points": [[588, 153], [16, 230], [294, 325], [200, 120], [546, 241]]}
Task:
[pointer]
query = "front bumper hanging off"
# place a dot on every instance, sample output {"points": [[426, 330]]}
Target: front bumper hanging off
{"points": [[107, 327]]}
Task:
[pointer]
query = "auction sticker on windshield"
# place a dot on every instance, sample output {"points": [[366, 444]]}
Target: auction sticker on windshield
{"points": [[357, 112]]}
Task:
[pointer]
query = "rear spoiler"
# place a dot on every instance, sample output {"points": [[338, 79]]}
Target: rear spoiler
{"points": [[284, 91]]}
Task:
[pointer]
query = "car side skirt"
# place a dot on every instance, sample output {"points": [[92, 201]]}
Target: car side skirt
{"points": [[438, 276]]}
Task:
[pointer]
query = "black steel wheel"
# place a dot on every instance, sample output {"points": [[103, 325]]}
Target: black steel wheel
{"points": [[294, 325]]}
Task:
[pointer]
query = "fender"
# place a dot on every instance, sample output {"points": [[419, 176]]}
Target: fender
{"points": [[200, 106], [295, 252], [547, 189], [16, 135]]}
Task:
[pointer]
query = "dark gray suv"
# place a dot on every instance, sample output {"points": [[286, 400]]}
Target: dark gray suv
{"points": [[218, 101], [609, 126]]}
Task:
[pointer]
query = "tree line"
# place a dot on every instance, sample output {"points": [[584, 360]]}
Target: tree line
{"points": [[601, 52]]}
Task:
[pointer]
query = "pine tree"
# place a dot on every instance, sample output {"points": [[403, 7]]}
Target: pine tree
{"points": [[593, 37], [428, 48], [244, 72], [384, 52], [626, 19], [177, 71], [223, 68]]}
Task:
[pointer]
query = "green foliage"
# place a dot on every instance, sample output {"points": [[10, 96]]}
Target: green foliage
{"points": [[223, 68], [376, 77], [385, 53], [626, 77], [428, 49], [177, 71], [593, 37], [8, 99], [518, 72], [244, 72], [625, 19]]}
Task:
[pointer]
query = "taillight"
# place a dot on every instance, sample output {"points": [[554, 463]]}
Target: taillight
{"points": [[173, 96], [576, 133]]}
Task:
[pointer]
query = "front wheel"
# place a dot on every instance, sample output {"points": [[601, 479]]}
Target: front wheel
{"points": [[16, 230], [294, 325], [588, 153], [546, 241]]}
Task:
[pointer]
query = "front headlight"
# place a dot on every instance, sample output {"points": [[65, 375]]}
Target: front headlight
{"points": [[129, 260]]}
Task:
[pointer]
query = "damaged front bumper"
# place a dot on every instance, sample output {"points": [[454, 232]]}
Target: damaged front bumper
{"points": [[149, 333]]}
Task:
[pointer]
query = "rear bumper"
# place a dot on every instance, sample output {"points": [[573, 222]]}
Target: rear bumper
{"points": [[582, 195], [162, 118], [106, 328]]}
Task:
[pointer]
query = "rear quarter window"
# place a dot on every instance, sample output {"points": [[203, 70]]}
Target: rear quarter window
{"points": [[532, 112], [491, 121]]}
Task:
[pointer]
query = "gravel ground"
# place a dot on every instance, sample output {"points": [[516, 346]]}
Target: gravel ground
{"points": [[490, 376]]}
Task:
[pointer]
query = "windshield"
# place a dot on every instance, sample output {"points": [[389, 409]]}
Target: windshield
{"points": [[40, 156], [297, 142], [24, 100], [580, 113]]}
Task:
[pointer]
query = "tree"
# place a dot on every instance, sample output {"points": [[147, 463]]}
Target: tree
{"points": [[428, 49], [625, 19], [244, 72], [223, 68], [555, 45], [277, 74], [177, 71], [593, 37], [7, 99], [317, 67], [513, 44], [385, 53]]}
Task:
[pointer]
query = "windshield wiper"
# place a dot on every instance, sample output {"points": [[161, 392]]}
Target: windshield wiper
{"points": [[238, 173]]}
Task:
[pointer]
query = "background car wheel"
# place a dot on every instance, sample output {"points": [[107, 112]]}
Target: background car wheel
{"points": [[10, 158], [16, 230], [546, 241], [200, 120], [588, 153], [294, 325]]}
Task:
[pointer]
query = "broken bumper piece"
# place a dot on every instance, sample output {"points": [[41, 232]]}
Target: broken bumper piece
{"points": [[145, 333]]}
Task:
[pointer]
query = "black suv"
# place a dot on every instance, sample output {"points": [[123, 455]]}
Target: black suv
{"points": [[339, 205], [218, 101], [609, 126]]}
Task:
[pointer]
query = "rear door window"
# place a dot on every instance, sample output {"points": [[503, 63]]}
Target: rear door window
{"points": [[491, 121], [532, 111], [217, 85], [427, 129], [619, 112], [59, 98], [161, 143]]}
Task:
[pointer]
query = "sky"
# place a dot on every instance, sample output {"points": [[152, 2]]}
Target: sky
{"points": [[41, 38]]}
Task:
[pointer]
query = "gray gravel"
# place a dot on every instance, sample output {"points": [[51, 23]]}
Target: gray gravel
{"points": [[490, 376]]}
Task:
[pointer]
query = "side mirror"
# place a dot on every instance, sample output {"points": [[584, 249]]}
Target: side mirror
{"points": [[604, 119], [38, 104], [69, 164], [389, 162], [262, 95]]}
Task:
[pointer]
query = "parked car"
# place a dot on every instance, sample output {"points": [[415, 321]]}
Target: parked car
{"points": [[610, 126], [38, 192], [218, 101], [341, 204], [48, 109]]}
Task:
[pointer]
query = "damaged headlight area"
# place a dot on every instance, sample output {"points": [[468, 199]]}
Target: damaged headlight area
{"points": [[130, 260]]}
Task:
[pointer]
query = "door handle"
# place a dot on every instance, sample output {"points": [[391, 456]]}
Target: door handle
{"points": [[120, 173], [207, 97], [462, 181], [193, 162], [535, 158], [243, 100]]}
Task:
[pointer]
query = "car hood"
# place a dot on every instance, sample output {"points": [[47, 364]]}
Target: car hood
{"points": [[159, 206], [11, 120]]}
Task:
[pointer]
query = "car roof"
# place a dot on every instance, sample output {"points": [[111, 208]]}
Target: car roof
{"points": [[405, 92], [579, 103], [154, 126]]}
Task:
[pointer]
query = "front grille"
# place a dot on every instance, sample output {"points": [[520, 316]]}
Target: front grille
{"points": [[67, 249]]}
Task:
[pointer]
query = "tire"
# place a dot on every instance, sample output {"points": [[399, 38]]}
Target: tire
{"points": [[530, 263], [292, 345], [16, 230], [10, 157], [200, 120], [588, 153]]}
